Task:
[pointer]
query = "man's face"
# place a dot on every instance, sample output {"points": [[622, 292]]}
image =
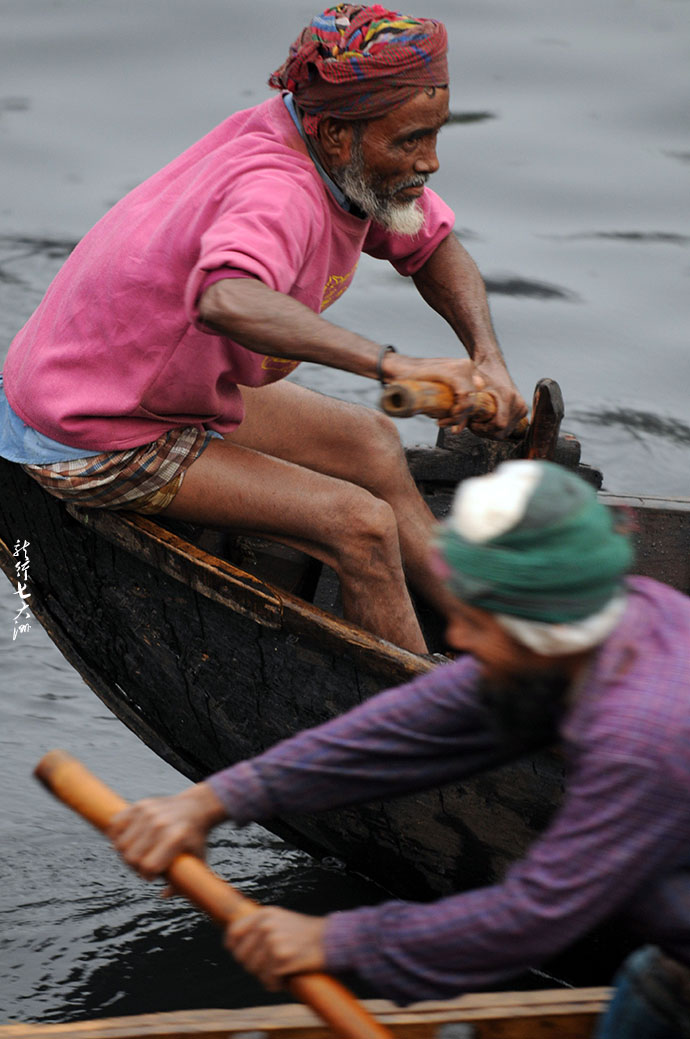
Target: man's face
{"points": [[384, 166], [478, 632], [524, 693]]}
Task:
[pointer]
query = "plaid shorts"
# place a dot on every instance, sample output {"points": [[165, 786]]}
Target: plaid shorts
{"points": [[143, 479]]}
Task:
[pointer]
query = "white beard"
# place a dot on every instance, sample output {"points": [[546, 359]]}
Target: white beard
{"points": [[406, 218]]}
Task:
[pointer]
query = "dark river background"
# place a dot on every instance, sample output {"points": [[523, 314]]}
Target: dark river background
{"points": [[568, 167]]}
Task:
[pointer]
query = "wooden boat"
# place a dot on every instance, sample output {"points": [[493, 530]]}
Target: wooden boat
{"points": [[210, 660], [568, 1013]]}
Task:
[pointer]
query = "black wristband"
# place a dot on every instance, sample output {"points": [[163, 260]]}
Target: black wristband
{"points": [[379, 363]]}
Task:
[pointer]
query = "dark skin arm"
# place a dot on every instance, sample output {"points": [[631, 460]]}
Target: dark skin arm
{"points": [[451, 284], [272, 323]]}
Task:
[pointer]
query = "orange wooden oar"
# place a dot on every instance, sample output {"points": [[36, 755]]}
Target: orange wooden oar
{"points": [[78, 788], [423, 397]]}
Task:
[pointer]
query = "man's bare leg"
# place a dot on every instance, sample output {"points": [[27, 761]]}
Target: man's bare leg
{"points": [[345, 526], [360, 445]]}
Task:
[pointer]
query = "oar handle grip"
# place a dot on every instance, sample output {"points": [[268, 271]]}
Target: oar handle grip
{"points": [[74, 785], [424, 397]]}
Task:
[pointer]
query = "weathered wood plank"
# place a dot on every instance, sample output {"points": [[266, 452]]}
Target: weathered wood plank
{"points": [[459, 455], [245, 595], [569, 1013], [660, 529]]}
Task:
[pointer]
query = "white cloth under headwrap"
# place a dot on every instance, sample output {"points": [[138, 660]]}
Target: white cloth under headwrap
{"points": [[555, 640]]}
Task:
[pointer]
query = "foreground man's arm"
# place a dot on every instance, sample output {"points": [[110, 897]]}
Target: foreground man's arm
{"points": [[624, 825], [620, 831], [407, 738], [450, 282]]}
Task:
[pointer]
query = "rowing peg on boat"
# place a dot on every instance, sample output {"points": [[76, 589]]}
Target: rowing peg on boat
{"points": [[541, 438], [75, 786], [423, 397]]}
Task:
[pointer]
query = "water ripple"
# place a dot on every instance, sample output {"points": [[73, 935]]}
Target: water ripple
{"points": [[14, 104], [641, 237], [14, 248], [470, 117], [28, 245], [515, 285], [639, 423]]}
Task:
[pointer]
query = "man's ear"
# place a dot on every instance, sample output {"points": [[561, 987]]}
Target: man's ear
{"points": [[335, 138]]}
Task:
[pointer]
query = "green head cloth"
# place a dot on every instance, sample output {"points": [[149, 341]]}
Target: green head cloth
{"points": [[532, 540]]}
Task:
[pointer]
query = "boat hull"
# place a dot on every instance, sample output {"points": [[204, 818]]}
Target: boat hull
{"points": [[209, 664]]}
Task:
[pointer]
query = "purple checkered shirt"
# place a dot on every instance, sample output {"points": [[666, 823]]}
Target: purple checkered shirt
{"points": [[619, 844]]}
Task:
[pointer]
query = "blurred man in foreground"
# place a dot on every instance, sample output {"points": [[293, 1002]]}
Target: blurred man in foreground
{"points": [[560, 645]]}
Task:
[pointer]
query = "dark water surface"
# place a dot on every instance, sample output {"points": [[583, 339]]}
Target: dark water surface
{"points": [[567, 164]]}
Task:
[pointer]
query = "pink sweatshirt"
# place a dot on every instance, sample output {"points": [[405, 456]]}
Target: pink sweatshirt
{"points": [[115, 355]]}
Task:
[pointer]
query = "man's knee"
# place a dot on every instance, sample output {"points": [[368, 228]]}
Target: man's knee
{"points": [[369, 531], [379, 443], [381, 428]]}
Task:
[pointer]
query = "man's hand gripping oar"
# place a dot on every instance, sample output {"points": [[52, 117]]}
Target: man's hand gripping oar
{"points": [[408, 397], [78, 788], [539, 434]]}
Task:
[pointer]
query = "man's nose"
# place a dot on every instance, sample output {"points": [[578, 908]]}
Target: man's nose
{"points": [[427, 159]]}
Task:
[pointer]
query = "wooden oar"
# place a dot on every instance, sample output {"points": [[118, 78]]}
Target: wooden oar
{"points": [[435, 399], [78, 788]]}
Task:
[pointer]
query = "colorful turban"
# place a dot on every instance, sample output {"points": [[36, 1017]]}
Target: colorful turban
{"points": [[532, 544], [360, 62]]}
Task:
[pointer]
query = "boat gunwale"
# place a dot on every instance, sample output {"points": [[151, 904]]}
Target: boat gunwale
{"points": [[267, 604], [519, 1014]]}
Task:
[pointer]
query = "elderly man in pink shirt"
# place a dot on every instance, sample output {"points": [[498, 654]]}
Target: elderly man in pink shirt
{"points": [[151, 375]]}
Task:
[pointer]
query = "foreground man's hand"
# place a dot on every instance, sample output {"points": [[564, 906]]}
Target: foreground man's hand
{"points": [[151, 833], [273, 943]]}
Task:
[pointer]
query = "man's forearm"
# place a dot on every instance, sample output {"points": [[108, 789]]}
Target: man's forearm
{"points": [[451, 284], [269, 322], [408, 738]]}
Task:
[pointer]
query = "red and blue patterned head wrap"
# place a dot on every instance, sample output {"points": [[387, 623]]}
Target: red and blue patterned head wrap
{"points": [[360, 62]]}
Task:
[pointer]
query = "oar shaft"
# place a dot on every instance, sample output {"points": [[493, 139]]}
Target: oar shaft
{"points": [[424, 397], [417, 397], [78, 788]]}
